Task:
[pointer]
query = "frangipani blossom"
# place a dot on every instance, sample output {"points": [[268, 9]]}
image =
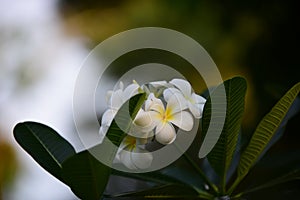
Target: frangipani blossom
{"points": [[115, 100], [133, 156], [169, 105], [164, 118], [194, 102]]}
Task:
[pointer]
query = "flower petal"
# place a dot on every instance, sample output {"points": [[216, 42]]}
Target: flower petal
{"points": [[165, 133], [125, 158], [183, 85], [102, 132], [159, 84], [121, 85], [130, 91], [198, 99], [144, 121], [141, 158], [150, 101], [170, 92], [194, 110], [108, 95], [201, 108], [116, 100], [183, 120], [157, 106], [108, 117], [176, 103]]}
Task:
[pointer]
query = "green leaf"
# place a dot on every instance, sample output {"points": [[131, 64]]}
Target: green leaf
{"points": [[170, 191], [221, 155], [264, 133], [155, 177], [88, 177], [293, 175], [85, 175], [213, 120], [45, 145], [167, 175]]}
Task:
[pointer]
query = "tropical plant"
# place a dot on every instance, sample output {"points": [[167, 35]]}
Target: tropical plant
{"points": [[223, 174]]}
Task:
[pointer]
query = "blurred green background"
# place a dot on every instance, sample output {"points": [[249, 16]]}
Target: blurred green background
{"points": [[258, 40], [255, 39]]}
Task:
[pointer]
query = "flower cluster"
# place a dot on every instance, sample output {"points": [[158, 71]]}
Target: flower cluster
{"points": [[168, 105]]}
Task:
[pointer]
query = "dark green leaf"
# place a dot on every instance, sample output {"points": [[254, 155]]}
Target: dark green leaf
{"points": [[86, 176], [293, 175], [45, 145], [167, 176], [276, 163], [264, 133], [221, 155], [213, 119], [170, 191]]}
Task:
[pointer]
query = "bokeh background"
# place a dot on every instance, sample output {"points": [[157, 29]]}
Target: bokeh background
{"points": [[43, 43]]}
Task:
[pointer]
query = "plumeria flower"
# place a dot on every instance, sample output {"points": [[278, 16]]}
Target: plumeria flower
{"points": [[115, 100], [142, 123], [164, 117], [194, 102], [132, 155]]}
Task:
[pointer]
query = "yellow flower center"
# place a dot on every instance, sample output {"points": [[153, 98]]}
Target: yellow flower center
{"points": [[167, 115]]}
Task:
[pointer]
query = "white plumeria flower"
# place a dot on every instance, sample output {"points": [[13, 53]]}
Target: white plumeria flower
{"points": [[133, 156], [194, 102], [142, 123], [115, 100], [164, 118]]}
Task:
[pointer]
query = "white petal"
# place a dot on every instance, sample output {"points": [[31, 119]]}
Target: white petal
{"points": [[170, 92], [156, 117], [183, 85], [198, 99], [157, 106], [165, 133], [141, 158], [116, 100], [183, 120], [150, 100], [159, 83], [176, 103], [121, 85], [102, 132], [201, 107], [108, 95], [194, 110], [108, 117], [130, 91], [144, 121], [125, 158]]}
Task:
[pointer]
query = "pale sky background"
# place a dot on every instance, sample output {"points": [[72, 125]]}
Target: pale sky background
{"points": [[38, 68]]}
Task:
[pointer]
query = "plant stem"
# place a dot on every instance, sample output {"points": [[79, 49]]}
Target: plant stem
{"points": [[233, 186], [223, 184]]}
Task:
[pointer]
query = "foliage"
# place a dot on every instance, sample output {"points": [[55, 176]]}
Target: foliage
{"points": [[88, 178]]}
